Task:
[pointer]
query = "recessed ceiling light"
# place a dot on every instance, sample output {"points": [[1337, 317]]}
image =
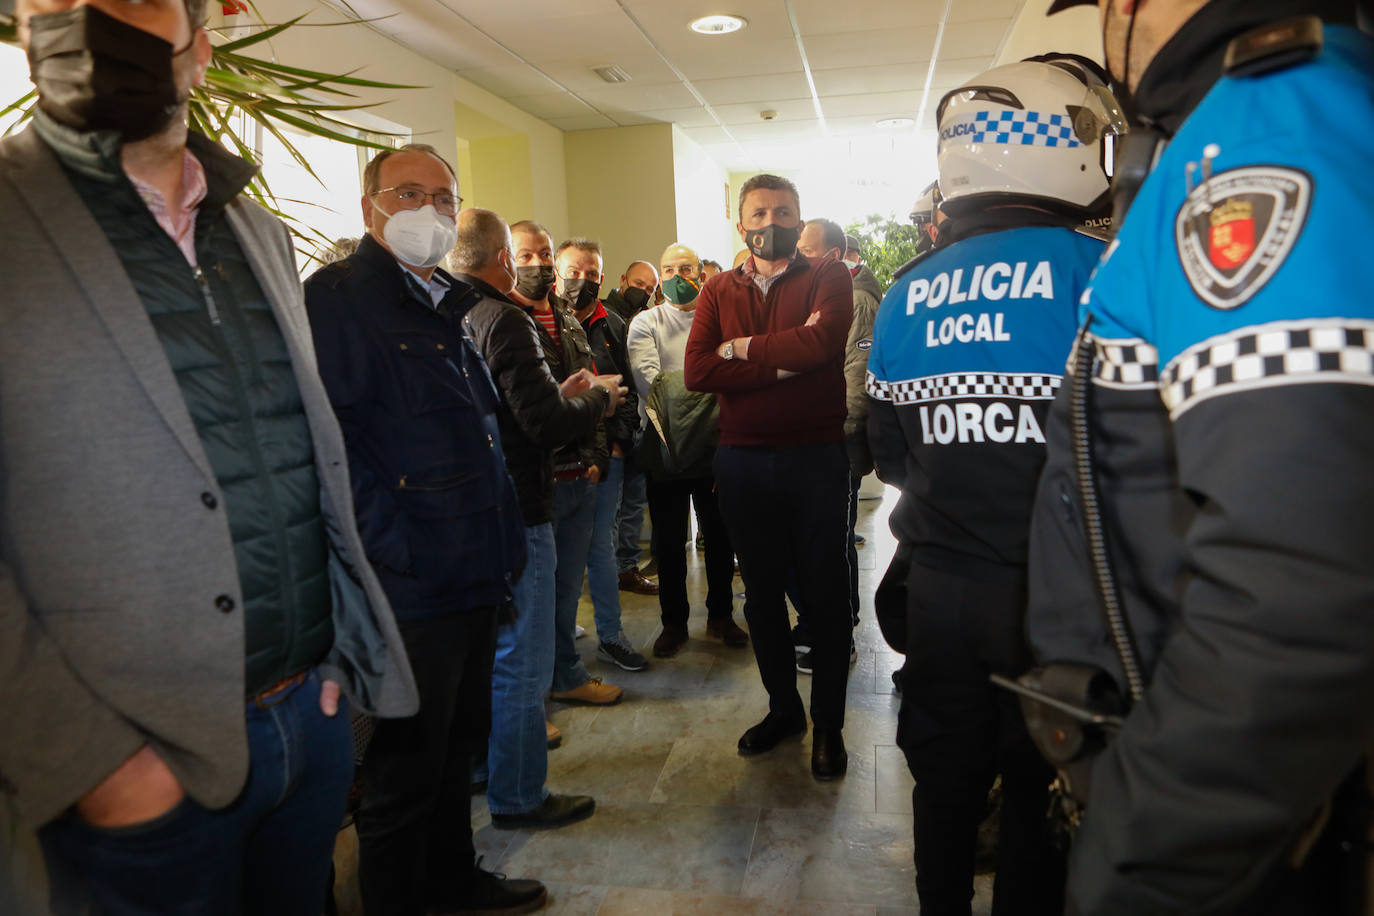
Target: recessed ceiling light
{"points": [[893, 123], [718, 25]]}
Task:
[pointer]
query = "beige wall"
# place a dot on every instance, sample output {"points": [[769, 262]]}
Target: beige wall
{"points": [[621, 193]]}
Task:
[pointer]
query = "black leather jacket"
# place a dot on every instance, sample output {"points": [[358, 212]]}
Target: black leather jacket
{"points": [[535, 418]]}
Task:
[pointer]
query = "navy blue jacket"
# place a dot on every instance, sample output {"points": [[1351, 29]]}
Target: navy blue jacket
{"points": [[436, 509]]}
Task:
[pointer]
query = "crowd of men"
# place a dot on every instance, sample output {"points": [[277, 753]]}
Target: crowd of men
{"points": [[236, 509]]}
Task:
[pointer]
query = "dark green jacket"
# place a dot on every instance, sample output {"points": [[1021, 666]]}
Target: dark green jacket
{"points": [[683, 429], [231, 364]]}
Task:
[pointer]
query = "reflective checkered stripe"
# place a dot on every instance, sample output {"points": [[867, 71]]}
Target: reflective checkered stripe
{"points": [[1328, 350], [1022, 385], [1018, 128], [1125, 364]]}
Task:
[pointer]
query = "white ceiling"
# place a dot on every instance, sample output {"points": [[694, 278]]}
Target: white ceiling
{"points": [[868, 59]]}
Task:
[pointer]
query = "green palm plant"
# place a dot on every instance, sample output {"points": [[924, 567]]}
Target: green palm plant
{"points": [[270, 96]]}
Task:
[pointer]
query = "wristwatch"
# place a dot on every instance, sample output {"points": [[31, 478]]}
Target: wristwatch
{"points": [[728, 351]]}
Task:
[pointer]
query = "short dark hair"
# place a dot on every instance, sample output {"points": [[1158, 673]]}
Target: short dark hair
{"points": [[831, 233], [709, 263], [766, 182], [372, 174], [581, 244], [529, 225]]}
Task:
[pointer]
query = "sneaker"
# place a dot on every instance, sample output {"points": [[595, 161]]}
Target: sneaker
{"points": [[619, 652], [801, 638], [579, 631], [493, 892], [594, 693]]}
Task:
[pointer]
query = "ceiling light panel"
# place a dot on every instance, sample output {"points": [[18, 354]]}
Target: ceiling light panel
{"points": [[719, 24]]}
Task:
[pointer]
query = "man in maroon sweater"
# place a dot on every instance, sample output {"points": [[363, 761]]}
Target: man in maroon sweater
{"points": [[769, 339]]}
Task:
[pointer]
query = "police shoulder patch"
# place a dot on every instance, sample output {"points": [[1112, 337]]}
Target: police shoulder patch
{"points": [[864, 344], [1235, 230]]}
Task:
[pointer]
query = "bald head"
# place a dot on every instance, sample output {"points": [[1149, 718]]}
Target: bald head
{"points": [[641, 274], [680, 261], [484, 250]]}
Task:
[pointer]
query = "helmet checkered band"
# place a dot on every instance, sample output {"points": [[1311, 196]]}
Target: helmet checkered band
{"points": [[1015, 128]]}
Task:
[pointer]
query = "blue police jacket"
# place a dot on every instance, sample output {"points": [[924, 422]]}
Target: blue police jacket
{"points": [[968, 351], [1232, 321]]}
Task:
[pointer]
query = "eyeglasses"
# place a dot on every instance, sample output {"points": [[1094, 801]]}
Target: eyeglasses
{"points": [[413, 197]]}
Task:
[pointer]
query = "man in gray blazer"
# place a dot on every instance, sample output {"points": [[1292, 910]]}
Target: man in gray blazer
{"points": [[183, 589]]}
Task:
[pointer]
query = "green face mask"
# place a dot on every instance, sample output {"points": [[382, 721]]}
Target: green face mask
{"points": [[680, 290]]}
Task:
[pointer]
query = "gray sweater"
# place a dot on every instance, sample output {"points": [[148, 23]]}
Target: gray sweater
{"points": [[657, 343]]}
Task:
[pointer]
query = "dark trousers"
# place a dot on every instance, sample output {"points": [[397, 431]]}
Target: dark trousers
{"points": [[786, 510], [852, 551], [959, 732], [267, 853], [669, 510], [414, 826]]}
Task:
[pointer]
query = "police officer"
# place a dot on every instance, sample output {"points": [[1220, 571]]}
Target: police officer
{"points": [[1223, 475], [969, 349]]}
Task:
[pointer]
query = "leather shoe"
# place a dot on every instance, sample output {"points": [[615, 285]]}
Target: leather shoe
{"points": [[829, 760], [727, 631], [492, 893], [632, 580], [556, 811], [670, 642], [766, 735]]}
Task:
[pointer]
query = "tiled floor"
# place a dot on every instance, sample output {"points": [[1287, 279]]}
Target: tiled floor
{"points": [[686, 826]]}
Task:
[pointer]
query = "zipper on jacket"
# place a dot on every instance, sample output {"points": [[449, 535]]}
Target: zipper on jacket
{"points": [[205, 293]]}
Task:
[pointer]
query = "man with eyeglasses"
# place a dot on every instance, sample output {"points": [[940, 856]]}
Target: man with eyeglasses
{"points": [[440, 521], [657, 342]]}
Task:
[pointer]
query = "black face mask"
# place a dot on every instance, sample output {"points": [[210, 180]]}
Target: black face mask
{"points": [[772, 243], [534, 281], [94, 72], [579, 294], [635, 297]]}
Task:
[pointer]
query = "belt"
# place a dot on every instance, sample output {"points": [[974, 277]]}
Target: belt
{"points": [[277, 692]]}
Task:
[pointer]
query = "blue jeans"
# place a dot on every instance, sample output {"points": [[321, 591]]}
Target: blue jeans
{"points": [[269, 851], [574, 511], [603, 574], [634, 496], [517, 755]]}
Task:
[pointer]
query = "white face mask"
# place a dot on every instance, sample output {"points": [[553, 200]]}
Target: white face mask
{"points": [[852, 265], [420, 237]]}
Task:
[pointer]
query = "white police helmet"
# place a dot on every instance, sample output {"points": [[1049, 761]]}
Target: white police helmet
{"points": [[923, 211], [1036, 130]]}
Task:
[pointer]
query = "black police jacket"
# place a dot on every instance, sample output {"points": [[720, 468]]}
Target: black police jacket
{"points": [[535, 418]]}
